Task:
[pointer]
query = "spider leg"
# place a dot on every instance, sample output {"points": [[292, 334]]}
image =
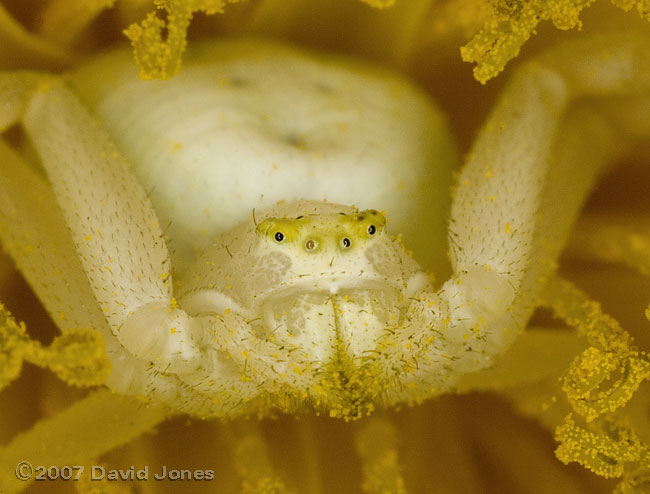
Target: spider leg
{"points": [[120, 251], [113, 225], [529, 173], [33, 232]]}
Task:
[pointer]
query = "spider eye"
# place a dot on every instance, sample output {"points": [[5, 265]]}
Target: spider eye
{"points": [[310, 244], [372, 230], [346, 243], [279, 237]]}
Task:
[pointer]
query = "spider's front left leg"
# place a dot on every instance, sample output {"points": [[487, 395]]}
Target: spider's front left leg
{"points": [[121, 247], [478, 312], [528, 175]]}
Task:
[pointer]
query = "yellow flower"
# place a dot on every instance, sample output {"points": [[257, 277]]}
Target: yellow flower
{"points": [[489, 441]]}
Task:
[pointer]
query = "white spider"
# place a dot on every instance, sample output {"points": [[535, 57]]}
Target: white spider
{"points": [[306, 304]]}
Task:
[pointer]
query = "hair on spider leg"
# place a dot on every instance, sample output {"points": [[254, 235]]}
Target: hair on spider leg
{"points": [[165, 231]]}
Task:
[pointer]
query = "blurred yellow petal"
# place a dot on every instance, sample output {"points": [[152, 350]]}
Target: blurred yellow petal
{"points": [[614, 240], [537, 354], [65, 20], [20, 48], [85, 430]]}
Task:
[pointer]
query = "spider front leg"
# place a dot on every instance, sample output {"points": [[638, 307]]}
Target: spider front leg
{"points": [[480, 310], [121, 248], [530, 170]]}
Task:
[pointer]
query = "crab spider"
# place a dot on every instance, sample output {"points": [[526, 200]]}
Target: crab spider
{"points": [[202, 348], [208, 347], [205, 350]]}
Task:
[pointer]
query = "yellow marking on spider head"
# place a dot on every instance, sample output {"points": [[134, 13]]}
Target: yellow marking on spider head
{"points": [[323, 232]]}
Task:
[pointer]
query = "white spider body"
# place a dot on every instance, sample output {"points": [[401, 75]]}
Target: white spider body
{"points": [[249, 123]]}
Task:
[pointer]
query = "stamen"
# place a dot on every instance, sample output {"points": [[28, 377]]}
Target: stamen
{"points": [[71, 438], [376, 444], [607, 239], [77, 356], [604, 377], [604, 452], [252, 461]]}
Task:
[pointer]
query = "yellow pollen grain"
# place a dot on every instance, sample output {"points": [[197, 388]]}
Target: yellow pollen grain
{"points": [[507, 228]]}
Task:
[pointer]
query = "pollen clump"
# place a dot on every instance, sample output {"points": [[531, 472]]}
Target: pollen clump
{"points": [[599, 383], [159, 58], [512, 22], [77, 356], [604, 452], [350, 388], [13, 344]]}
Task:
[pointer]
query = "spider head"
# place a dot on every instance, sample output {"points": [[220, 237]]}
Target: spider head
{"points": [[326, 250]]}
